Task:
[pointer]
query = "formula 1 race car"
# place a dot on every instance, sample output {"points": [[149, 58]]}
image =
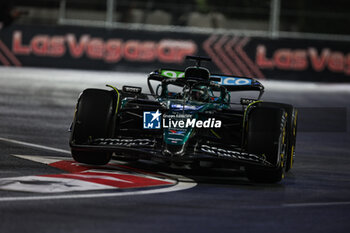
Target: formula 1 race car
{"points": [[188, 118]]}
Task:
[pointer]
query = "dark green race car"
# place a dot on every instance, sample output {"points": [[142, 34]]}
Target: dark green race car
{"points": [[188, 118]]}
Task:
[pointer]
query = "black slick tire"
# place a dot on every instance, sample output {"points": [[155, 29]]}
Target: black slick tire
{"points": [[94, 118], [266, 136]]}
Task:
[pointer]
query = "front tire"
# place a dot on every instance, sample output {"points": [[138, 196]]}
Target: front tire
{"points": [[266, 135], [94, 118]]}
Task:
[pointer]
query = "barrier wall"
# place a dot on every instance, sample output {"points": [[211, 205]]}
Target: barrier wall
{"points": [[137, 50]]}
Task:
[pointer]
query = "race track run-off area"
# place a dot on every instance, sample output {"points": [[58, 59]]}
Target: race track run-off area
{"points": [[43, 190]]}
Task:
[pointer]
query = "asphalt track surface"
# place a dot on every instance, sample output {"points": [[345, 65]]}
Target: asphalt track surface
{"points": [[36, 106]]}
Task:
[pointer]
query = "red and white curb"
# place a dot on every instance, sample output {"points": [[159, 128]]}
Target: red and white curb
{"points": [[81, 177], [114, 179]]}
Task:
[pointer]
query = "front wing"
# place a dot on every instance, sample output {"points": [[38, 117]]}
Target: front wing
{"points": [[150, 149]]}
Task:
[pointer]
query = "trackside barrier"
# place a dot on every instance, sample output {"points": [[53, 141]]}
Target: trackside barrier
{"points": [[137, 50]]}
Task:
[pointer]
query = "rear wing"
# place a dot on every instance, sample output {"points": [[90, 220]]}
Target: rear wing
{"points": [[231, 83]]}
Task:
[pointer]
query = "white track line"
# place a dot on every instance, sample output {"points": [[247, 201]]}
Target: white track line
{"points": [[316, 204], [34, 145]]}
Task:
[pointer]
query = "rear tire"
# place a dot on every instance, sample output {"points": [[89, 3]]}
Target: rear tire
{"points": [[94, 118], [266, 135]]}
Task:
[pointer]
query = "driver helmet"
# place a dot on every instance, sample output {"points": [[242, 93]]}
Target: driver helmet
{"points": [[200, 93]]}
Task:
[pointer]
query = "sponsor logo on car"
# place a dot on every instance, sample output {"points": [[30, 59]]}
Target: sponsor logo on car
{"points": [[177, 132], [124, 142], [221, 152], [219, 79], [136, 90], [185, 107], [172, 73], [232, 81], [247, 101]]}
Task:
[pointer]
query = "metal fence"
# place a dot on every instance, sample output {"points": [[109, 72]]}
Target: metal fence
{"points": [[265, 18]]}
